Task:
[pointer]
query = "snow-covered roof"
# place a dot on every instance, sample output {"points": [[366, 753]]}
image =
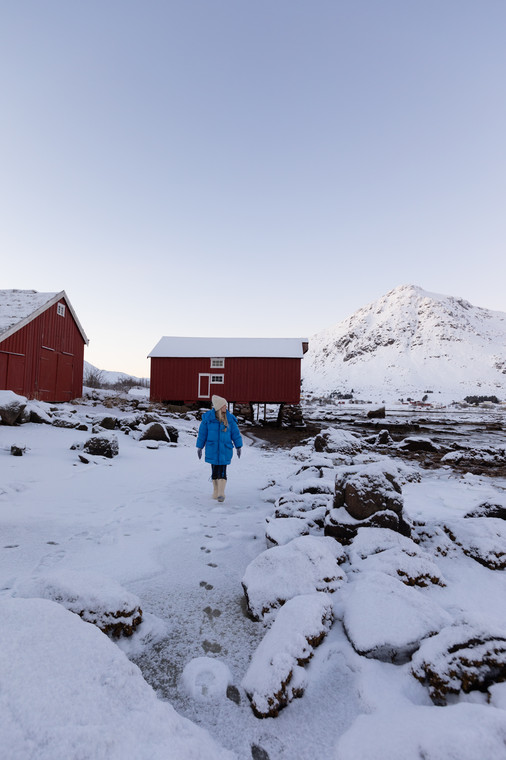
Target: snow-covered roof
{"points": [[280, 348], [19, 307]]}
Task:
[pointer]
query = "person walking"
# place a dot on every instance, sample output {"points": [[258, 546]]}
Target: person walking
{"points": [[219, 433]]}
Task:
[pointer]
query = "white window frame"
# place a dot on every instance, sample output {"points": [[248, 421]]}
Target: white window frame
{"points": [[217, 363], [60, 309], [217, 379]]}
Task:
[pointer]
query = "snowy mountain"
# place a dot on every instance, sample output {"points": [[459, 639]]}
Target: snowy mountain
{"points": [[408, 343]]}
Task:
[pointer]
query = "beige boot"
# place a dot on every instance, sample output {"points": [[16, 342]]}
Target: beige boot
{"points": [[221, 489], [215, 489]]}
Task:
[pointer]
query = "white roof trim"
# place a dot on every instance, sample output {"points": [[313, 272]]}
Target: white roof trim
{"points": [[40, 310], [188, 348]]}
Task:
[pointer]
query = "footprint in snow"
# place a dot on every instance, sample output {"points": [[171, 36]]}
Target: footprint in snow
{"points": [[211, 613], [211, 646], [206, 585], [50, 560]]}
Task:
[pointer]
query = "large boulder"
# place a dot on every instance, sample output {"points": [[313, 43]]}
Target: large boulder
{"points": [[275, 675], [366, 490], [460, 658], [303, 566], [386, 620], [155, 431], [12, 407]]}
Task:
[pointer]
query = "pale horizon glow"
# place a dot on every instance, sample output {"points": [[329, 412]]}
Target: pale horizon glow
{"points": [[249, 170]]}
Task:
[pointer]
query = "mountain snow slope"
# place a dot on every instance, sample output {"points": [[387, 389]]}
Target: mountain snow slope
{"points": [[407, 343]]}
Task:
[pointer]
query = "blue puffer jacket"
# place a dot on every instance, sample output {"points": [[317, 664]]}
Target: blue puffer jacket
{"points": [[217, 440]]}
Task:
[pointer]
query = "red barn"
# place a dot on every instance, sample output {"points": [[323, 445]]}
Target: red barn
{"points": [[41, 345], [256, 370]]}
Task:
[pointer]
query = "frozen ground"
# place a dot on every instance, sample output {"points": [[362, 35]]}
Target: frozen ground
{"points": [[146, 520]]}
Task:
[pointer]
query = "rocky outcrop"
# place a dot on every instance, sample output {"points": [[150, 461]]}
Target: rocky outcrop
{"points": [[461, 658]]}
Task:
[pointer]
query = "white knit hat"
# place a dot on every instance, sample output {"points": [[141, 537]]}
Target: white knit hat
{"points": [[218, 402]]}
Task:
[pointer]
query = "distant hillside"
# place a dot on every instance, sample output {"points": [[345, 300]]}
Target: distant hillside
{"points": [[407, 343], [109, 378]]}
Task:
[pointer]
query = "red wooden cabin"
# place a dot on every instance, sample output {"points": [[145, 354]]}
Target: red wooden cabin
{"points": [[255, 370], [41, 345]]}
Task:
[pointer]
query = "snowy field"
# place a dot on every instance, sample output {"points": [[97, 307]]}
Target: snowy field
{"points": [[140, 531]]}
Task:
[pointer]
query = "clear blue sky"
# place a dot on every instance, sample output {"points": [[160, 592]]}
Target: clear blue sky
{"points": [[234, 168]]}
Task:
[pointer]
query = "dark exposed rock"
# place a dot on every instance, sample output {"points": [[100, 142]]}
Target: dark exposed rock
{"points": [[488, 510], [108, 423], [102, 445], [365, 491], [418, 444], [344, 530], [377, 413], [233, 694], [290, 415], [38, 417], [156, 431], [258, 753], [382, 439], [63, 422], [17, 451], [12, 407]]}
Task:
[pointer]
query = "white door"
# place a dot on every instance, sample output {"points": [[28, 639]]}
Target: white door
{"points": [[204, 385]]}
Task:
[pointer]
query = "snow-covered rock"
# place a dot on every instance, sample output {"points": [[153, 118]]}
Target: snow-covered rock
{"points": [[103, 444], [282, 530], [460, 732], [383, 550], [156, 431], [386, 620], [12, 407], [275, 675], [68, 692], [367, 489], [303, 566], [460, 658], [96, 598], [206, 679], [482, 539], [338, 441]]}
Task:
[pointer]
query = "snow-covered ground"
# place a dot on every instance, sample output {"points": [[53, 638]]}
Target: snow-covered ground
{"points": [[144, 522]]}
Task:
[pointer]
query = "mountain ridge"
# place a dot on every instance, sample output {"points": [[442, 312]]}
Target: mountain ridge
{"points": [[407, 342]]}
